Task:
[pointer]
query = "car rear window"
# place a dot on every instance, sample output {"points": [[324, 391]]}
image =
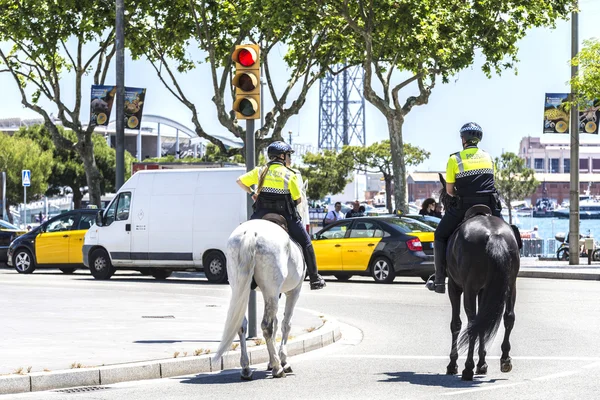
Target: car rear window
{"points": [[406, 225]]}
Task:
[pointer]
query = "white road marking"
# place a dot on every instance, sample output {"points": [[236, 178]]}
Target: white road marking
{"points": [[416, 357], [481, 389], [557, 375]]}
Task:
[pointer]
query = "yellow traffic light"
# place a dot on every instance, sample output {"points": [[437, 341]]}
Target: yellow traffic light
{"points": [[247, 81]]}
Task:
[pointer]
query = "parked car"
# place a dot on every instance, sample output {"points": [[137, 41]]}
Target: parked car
{"points": [[382, 247], [426, 219], [8, 233], [56, 243]]}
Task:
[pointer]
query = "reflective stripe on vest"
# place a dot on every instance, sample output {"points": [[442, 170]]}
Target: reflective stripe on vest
{"points": [[461, 167]]}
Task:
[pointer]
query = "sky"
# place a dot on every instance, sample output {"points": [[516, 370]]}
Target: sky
{"points": [[508, 107]]}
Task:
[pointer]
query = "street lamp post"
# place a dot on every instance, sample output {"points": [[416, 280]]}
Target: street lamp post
{"points": [[120, 125], [574, 189]]}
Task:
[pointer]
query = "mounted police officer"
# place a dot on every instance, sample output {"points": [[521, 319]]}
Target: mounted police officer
{"points": [[470, 177], [278, 191]]}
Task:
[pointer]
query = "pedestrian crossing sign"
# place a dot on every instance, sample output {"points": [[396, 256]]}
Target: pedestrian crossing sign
{"points": [[26, 177]]}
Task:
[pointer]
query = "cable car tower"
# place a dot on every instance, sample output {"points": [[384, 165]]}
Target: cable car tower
{"points": [[342, 109]]}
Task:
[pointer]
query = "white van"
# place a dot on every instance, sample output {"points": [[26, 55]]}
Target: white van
{"points": [[166, 220]]}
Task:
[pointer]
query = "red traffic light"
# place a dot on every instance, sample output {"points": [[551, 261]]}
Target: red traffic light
{"points": [[247, 57]]}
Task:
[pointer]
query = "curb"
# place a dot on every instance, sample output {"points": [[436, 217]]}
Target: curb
{"points": [[327, 334], [583, 276]]}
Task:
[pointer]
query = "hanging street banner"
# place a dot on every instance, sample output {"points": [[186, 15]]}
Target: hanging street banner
{"points": [[101, 104], [556, 114], [589, 118], [134, 104]]}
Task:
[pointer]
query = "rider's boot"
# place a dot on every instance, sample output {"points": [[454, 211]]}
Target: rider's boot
{"points": [[316, 281], [438, 284]]}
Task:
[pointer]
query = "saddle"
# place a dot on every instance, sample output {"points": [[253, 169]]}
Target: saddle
{"points": [[481, 209], [277, 220]]}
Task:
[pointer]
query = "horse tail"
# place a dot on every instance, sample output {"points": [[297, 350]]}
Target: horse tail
{"points": [[241, 272], [489, 315]]}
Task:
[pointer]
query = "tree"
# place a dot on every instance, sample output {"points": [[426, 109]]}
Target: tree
{"points": [[67, 170], [326, 173], [587, 83], [377, 158], [514, 181], [431, 40], [169, 34], [17, 154], [48, 40]]}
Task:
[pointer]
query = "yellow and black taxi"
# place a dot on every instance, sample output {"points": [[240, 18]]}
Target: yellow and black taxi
{"points": [[382, 247], [8, 233], [57, 243]]}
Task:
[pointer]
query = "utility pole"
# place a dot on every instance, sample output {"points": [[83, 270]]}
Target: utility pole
{"points": [[574, 189], [120, 125]]}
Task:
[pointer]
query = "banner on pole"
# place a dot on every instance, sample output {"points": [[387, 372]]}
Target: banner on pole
{"points": [[103, 97], [134, 105], [589, 117], [556, 114]]}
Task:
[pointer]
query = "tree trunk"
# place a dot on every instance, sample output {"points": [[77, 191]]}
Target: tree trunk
{"points": [[85, 148], [77, 197], [395, 122], [509, 212], [388, 192]]}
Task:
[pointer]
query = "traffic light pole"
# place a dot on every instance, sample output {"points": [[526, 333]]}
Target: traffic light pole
{"points": [[250, 157]]}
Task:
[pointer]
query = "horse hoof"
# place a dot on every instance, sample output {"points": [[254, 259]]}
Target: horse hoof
{"points": [[246, 375], [467, 375], [482, 370], [452, 370], [287, 369], [506, 366], [269, 367], [279, 374]]}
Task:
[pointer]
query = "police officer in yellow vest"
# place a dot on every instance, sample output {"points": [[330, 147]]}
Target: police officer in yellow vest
{"points": [[470, 177], [278, 191]]}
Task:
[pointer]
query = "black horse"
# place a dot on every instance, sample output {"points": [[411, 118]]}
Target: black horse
{"points": [[483, 263]]}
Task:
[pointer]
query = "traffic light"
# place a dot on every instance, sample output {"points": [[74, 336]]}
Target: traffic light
{"points": [[247, 81]]}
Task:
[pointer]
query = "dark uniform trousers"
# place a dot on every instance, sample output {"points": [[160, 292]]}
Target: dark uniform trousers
{"points": [[299, 234], [454, 216]]}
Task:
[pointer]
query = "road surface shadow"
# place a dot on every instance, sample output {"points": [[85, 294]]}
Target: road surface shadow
{"points": [[443, 380]]}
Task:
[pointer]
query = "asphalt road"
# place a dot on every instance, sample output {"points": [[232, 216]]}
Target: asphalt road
{"points": [[396, 344]]}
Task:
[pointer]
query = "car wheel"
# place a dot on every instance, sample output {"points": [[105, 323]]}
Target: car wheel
{"points": [[596, 255], [563, 254], [215, 267], [342, 277], [145, 272], [382, 270], [161, 274], [100, 265], [23, 261], [68, 270]]}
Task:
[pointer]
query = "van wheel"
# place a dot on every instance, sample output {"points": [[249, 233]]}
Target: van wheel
{"points": [[100, 265], [162, 274], [68, 270], [382, 270], [23, 261], [215, 267]]}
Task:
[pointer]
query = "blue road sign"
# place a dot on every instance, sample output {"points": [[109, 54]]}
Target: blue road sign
{"points": [[26, 177]]}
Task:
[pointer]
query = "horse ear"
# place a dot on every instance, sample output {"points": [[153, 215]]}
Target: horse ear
{"points": [[442, 180]]}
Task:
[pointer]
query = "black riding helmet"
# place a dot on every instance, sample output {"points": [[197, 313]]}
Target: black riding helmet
{"points": [[278, 148], [471, 132]]}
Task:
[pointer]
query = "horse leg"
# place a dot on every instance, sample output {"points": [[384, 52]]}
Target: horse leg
{"points": [[470, 303], [454, 293], [509, 322], [482, 366], [269, 328], [244, 360], [290, 302]]}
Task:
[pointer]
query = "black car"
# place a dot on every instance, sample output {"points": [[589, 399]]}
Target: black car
{"points": [[57, 243], [8, 233], [382, 247]]}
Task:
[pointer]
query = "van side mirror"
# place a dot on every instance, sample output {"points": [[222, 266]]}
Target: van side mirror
{"points": [[99, 218]]}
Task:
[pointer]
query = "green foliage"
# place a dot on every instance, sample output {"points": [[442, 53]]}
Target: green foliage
{"points": [[67, 169], [326, 173], [587, 83], [514, 181], [17, 154], [377, 158]]}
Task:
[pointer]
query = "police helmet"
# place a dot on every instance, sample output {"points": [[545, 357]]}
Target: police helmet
{"points": [[278, 148], [471, 132]]}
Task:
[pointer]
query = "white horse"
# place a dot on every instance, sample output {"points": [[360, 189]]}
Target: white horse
{"points": [[263, 250]]}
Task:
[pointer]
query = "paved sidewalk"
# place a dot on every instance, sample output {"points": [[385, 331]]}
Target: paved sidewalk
{"points": [[534, 268]]}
